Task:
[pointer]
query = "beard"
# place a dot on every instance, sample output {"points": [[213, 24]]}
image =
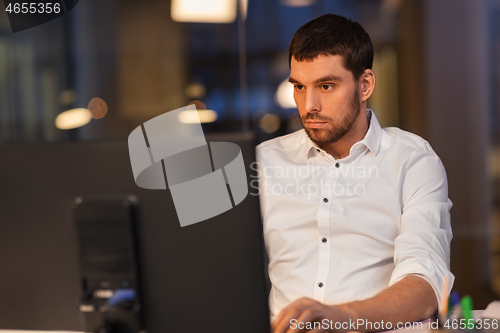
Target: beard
{"points": [[338, 129]]}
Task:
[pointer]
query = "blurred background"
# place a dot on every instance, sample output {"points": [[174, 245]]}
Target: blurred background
{"points": [[437, 65]]}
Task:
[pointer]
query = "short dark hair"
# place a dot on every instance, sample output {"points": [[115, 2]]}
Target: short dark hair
{"points": [[333, 35]]}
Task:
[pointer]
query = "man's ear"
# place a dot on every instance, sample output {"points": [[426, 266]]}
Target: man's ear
{"points": [[367, 83]]}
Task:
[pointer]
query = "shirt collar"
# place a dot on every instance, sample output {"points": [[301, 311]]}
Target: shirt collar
{"points": [[372, 139]]}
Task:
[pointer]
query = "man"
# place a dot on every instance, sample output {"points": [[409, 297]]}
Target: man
{"points": [[356, 217]]}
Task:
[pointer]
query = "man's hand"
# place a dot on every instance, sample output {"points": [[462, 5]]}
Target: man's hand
{"points": [[410, 299], [294, 317]]}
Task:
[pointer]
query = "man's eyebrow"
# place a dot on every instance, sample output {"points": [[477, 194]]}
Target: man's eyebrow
{"points": [[323, 79], [328, 78]]}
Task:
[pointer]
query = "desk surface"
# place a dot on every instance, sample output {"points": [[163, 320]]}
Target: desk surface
{"points": [[21, 331], [424, 328]]}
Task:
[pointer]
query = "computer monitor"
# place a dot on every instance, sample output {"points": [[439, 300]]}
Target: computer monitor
{"points": [[206, 277]]}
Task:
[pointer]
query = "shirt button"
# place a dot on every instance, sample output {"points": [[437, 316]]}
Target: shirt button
{"points": [[337, 165], [318, 150], [324, 240], [320, 285], [325, 199]]}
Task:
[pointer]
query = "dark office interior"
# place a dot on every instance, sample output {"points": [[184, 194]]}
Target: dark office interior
{"points": [[438, 75]]}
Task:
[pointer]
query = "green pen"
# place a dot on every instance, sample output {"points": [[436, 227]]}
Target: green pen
{"points": [[467, 311]]}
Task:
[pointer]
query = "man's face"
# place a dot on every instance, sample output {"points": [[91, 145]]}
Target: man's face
{"points": [[327, 97]]}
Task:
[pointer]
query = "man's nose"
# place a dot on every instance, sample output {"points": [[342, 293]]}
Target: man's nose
{"points": [[312, 101]]}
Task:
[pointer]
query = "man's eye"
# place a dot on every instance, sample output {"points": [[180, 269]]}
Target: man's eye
{"points": [[299, 87], [326, 86]]}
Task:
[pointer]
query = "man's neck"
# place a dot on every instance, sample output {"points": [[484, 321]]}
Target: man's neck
{"points": [[342, 147]]}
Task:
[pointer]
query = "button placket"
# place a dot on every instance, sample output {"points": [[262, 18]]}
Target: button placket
{"points": [[325, 201]]}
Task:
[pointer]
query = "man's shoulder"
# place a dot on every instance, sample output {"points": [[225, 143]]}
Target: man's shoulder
{"points": [[398, 138], [284, 143]]}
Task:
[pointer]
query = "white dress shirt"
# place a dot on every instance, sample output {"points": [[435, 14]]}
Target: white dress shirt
{"points": [[344, 230]]}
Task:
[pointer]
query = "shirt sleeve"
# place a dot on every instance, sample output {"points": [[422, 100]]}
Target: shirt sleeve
{"points": [[260, 181], [423, 244]]}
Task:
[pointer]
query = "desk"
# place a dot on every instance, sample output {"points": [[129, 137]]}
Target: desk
{"points": [[423, 329], [22, 331]]}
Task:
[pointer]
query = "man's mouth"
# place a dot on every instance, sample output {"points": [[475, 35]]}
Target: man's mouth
{"points": [[315, 124]]}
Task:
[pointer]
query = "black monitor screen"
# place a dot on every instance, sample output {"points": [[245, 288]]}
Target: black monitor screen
{"points": [[208, 276]]}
